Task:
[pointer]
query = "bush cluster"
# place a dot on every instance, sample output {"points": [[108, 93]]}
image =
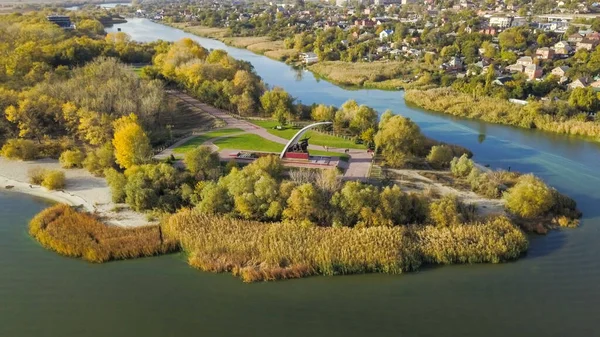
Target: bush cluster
{"points": [[50, 179], [72, 159]]}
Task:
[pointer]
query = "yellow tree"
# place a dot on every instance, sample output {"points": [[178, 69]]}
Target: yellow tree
{"points": [[132, 145]]}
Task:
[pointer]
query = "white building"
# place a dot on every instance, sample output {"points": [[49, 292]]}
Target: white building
{"points": [[500, 21]]}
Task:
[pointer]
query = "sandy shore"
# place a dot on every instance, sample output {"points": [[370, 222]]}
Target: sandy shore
{"points": [[82, 189]]}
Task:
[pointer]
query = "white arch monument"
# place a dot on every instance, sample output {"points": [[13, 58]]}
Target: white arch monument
{"points": [[298, 136]]}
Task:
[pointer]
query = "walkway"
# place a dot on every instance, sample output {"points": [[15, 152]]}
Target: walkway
{"points": [[357, 167]]}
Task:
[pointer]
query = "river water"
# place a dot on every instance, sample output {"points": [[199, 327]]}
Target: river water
{"points": [[553, 291]]}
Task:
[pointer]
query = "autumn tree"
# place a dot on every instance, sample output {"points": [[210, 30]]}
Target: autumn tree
{"points": [[132, 145]]}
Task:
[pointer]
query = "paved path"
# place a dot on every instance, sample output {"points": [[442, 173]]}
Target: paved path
{"points": [[357, 167]]}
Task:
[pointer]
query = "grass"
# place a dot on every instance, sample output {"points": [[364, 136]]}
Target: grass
{"points": [[199, 140], [316, 138], [71, 233], [252, 142]]}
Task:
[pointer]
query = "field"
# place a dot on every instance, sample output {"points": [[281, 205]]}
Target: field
{"points": [[216, 33], [199, 140], [316, 138]]}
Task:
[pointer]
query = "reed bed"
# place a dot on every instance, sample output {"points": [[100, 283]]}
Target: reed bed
{"points": [[499, 111], [71, 233], [256, 251]]}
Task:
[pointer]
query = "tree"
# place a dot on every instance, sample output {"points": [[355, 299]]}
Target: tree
{"points": [[440, 156], [214, 199], [203, 162], [584, 99], [354, 204], [529, 198], [304, 205], [91, 26], [445, 212], [323, 112], [398, 138], [132, 146], [278, 104]]}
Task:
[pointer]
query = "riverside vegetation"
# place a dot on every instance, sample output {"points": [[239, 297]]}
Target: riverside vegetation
{"points": [[92, 111]]}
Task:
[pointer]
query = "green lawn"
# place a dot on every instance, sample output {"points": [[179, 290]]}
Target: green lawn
{"points": [[197, 141], [316, 138], [252, 142]]}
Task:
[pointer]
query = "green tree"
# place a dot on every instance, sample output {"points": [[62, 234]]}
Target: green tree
{"points": [[203, 162], [304, 205], [529, 198], [278, 104], [398, 138], [440, 156], [445, 212]]}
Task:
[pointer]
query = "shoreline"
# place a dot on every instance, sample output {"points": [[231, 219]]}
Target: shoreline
{"points": [[82, 190]]}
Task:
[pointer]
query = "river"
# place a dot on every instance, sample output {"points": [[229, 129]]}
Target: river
{"points": [[553, 291]]}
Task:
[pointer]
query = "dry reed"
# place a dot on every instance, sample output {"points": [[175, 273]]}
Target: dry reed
{"points": [[71, 233]]}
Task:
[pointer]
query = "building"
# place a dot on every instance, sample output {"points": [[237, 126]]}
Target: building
{"points": [[533, 71], [62, 21], [309, 58], [587, 44], [493, 31], [575, 38], [525, 61], [560, 71], [386, 34], [544, 53], [500, 21], [582, 82], [518, 21], [562, 48]]}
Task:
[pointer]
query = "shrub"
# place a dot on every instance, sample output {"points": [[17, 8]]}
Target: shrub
{"points": [[116, 181], [529, 198], [52, 148], [72, 159], [18, 148], [36, 175], [70, 233], [445, 212], [100, 159], [461, 167], [54, 180], [440, 156]]}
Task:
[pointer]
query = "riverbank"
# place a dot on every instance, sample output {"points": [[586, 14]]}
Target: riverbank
{"points": [[262, 45], [82, 189], [500, 111]]}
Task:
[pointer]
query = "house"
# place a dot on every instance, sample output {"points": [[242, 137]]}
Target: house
{"points": [[544, 53], [455, 64], [595, 36], [502, 80], [582, 82], [562, 48], [587, 44], [364, 23], [525, 61], [518, 21], [560, 71], [595, 85], [500, 21], [384, 35], [575, 38], [62, 21], [309, 58], [533, 71], [515, 68], [493, 31]]}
